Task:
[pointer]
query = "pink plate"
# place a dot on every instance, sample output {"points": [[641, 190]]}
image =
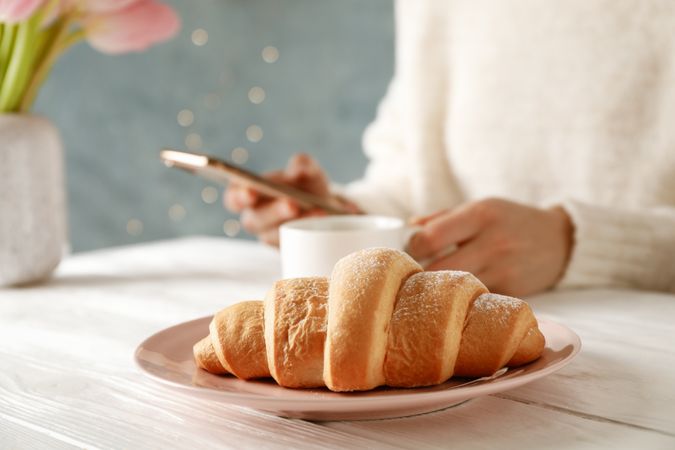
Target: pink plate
{"points": [[167, 357]]}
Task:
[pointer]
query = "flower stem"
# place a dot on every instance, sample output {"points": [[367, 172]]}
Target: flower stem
{"points": [[20, 63], [60, 40], [6, 45]]}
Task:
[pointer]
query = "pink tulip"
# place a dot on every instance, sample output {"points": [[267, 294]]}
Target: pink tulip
{"points": [[59, 7], [12, 11], [100, 6], [135, 28]]}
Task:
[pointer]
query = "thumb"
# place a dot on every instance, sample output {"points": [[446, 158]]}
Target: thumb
{"points": [[305, 173]]}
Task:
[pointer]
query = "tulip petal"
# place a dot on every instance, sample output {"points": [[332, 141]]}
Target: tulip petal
{"points": [[106, 5], [13, 11], [135, 28]]}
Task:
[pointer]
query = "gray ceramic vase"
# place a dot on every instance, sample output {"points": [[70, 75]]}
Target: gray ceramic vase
{"points": [[32, 199]]}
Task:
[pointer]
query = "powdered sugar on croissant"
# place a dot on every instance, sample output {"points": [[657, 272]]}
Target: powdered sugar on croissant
{"points": [[380, 320]]}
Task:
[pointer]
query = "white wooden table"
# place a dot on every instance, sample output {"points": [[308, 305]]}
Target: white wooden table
{"points": [[67, 377]]}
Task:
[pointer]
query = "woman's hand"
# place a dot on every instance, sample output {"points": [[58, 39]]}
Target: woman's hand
{"points": [[512, 248], [261, 215]]}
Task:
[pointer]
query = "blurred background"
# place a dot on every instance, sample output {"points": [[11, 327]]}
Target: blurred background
{"points": [[252, 81]]}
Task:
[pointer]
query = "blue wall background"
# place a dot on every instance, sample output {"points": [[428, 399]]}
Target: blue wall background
{"points": [[115, 112]]}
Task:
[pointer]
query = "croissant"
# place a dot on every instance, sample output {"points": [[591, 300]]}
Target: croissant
{"points": [[380, 320]]}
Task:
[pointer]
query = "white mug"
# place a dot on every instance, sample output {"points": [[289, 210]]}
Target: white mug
{"points": [[312, 246]]}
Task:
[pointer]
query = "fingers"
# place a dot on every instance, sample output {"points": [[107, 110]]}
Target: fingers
{"points": [[268, 215], [302, 171], [444, 230], [261, 215], [423, 220], [471, 257], [302, 165], [271, 235], [305, 173], [502, 279], [239, 196], [482, 258]]}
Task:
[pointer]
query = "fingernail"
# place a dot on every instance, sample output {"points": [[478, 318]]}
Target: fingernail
{"points": [[316, 213], [414, 220], [289, 208], [245, 198], [414, 244]]}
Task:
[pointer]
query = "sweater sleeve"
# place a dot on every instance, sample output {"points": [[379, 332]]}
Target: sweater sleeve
{"points": [[385, 187], [621, 248]]}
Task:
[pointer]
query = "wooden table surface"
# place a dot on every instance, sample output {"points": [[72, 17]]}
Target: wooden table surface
{"points": [[67, 376]]}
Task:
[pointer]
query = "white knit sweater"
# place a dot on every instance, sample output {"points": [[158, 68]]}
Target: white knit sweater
{"points": [[541, 102]]}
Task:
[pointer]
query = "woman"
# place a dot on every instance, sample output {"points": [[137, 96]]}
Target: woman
{"points": [[535, 138]]}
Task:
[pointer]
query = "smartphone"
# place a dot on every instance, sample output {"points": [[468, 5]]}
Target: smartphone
{"points": [[222, 172]]}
